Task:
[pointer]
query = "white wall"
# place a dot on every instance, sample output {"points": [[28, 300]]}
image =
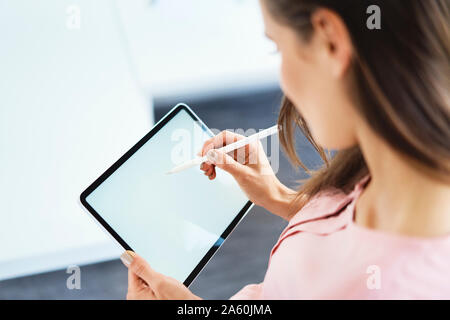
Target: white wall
{"points": [[199, 47], [69, 107]]}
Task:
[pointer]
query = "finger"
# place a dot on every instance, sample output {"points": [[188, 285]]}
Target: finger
{"points": [[207, 165], [241, 155], [218, 141], [136, 286], [208, 145], [227, 163], [209, 171], [141, 268], [222, 139], [134, 282]]}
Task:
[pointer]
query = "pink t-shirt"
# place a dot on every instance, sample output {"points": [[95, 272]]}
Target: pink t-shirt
{"points": [[323, 254]]}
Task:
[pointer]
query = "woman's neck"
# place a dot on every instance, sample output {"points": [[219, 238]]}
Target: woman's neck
{"points": [[400, 198]]}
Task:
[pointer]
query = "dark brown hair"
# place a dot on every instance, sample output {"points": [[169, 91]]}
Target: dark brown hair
{"points": [[402, 72]]}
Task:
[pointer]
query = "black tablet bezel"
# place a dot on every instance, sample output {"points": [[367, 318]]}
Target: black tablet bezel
{"points": [[124, 158]]}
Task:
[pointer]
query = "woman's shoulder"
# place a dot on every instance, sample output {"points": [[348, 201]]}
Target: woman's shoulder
{"points": [[321, 205], [327, 204]]}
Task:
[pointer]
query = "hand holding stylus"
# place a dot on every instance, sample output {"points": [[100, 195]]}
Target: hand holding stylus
{"points": [[252, 171], [228, 148]]}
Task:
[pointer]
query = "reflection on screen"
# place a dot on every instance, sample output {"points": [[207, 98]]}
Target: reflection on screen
{"points": [[170, 220]]}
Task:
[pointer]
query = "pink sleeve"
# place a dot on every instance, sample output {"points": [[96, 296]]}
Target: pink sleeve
{"points": [[249, 292]]}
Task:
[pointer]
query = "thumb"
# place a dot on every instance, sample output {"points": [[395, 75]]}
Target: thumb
{"points": [[225, 162], [139, 266]]}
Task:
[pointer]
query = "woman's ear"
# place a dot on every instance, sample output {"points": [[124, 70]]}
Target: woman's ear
{"points": [[333, 40]]}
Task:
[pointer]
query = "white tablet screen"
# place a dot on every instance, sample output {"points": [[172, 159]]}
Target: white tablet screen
{"points": [[170, 220]]}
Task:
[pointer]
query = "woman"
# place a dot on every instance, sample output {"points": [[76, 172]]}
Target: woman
{"points": [[374, 221]]}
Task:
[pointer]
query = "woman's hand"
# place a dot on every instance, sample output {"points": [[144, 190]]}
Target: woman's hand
{"points": [[144, 283], [251, 169]]}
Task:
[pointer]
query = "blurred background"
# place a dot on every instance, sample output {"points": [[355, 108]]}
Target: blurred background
{"points": [[81, 82]]}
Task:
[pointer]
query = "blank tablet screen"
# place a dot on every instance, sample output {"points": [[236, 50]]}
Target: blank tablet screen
{"points": [[172, 221]]}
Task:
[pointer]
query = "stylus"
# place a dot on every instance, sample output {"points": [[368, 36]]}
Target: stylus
{"points": [[228, 148]]}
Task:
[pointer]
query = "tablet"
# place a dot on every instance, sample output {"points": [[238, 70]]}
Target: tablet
{"points": [[176, 222]]}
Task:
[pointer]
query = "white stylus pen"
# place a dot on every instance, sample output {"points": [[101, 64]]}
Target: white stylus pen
{"points": [[228, 148]]}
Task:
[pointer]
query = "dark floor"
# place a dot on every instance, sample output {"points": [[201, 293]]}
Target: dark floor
{"points": [[243, 257]]}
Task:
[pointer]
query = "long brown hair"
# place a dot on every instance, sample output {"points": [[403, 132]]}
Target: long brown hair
{"points": [[403, 76]]}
